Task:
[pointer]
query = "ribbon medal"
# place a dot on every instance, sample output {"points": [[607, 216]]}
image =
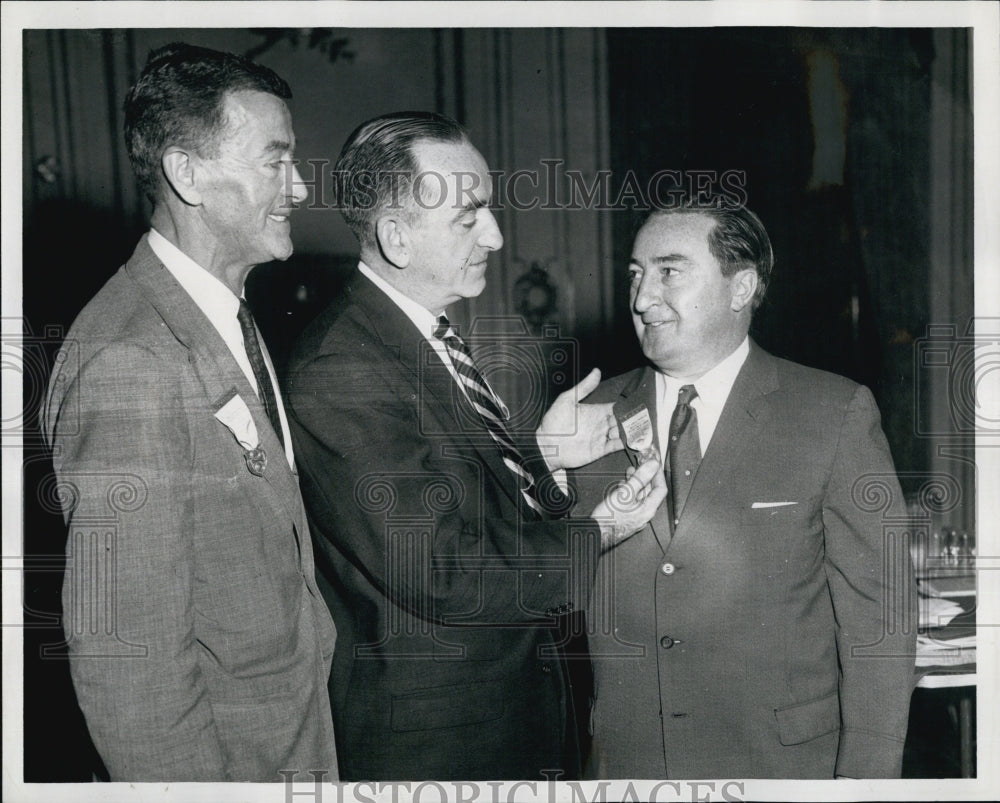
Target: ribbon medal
{"points": [[235, 414], [256, 460], [637, 427]]}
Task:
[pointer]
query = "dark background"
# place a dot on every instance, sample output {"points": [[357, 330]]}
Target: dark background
{"points": [[858, 237]]}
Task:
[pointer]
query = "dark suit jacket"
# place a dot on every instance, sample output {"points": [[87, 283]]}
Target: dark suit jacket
{"points": [[199, 643], [759, 641], [445, 587]]}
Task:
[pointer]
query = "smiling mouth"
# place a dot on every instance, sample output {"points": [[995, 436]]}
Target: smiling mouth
{"points": [[279, 218]]}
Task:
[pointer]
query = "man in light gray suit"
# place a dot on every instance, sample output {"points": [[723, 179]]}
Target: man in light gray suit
{"points": [[764, 624], [199, 644]]}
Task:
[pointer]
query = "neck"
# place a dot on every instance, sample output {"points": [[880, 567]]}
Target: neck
{"points": [[693, 372], [398, 278], [200, 246]]}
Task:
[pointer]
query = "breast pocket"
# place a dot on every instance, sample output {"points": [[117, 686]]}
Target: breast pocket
{"points": [[780, 514]]}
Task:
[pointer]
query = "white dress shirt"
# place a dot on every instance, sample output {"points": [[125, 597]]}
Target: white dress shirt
{"points": [[713, 391], [220, 306], [423, 319]]}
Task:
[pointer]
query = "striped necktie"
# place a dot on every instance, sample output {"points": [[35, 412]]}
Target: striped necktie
{"points": [[491, 409]]}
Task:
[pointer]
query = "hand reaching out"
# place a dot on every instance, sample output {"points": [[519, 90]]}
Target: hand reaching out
{"points": [[629, 506], [573, 434]]}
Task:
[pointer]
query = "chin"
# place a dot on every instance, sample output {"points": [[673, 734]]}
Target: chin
{"points": [[476, 288], [280, 254], [657, 356]]}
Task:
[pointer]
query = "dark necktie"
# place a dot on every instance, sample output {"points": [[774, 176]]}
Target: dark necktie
{"points": [[684, 450], [490, 408], [256, 357]]}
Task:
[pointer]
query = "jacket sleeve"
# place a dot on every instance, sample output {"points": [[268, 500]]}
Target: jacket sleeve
{"points": [[871, 582], [122, 454], [370, 464]]}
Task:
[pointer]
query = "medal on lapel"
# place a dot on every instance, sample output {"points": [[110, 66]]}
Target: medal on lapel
{"points": [[256, 460], [235, 415], [637, 429]]}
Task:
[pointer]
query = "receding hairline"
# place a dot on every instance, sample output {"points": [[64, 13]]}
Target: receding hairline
{"points": [[228, 123], [663, 214], [421, 170]]}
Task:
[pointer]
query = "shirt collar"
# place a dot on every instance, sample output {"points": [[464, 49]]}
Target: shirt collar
{"points": [[211, 295], [422, 318], [714, 385]]}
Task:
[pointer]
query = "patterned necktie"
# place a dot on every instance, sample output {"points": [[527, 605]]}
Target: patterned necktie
{"points": [[684, 451], [491, 409], [256, 357]]}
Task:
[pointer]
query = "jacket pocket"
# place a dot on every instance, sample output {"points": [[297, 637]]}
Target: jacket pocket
{"points": [[806, 721], [446, 707]]}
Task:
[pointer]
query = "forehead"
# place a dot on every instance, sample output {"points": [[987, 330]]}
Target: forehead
{"points": [[256, 121], [452, 161], [684, 234]]}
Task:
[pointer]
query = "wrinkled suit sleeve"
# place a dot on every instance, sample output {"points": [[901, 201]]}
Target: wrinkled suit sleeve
{"points": [[367, 458], [122, 454], [870, 577]]}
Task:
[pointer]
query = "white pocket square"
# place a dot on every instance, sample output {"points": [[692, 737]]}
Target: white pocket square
{"points": [[236, 416], [762, 505]]}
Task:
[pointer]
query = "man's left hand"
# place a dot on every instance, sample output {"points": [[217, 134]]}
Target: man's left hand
{"points": [[573, 434]]}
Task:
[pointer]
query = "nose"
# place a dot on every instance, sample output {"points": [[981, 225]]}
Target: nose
{"points": [[299, 192], [490, 237], [645, 295]]}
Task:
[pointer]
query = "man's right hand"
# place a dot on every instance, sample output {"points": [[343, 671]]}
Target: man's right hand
{"points": [[629, 506]]}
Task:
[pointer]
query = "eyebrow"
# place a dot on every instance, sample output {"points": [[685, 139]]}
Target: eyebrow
{"points": [[665, 259], [277, 145], [471, 206]]}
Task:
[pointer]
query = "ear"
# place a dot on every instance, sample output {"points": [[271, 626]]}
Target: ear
{"points": [[743, 285], [393, 236], [179, 170]]}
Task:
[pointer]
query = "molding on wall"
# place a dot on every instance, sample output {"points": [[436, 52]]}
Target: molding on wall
{"points": [[532, 95], [951, 265]]}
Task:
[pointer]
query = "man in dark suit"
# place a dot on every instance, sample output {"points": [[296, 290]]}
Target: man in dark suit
{"points": [[764, 624], [199, 643], [438, 543]]}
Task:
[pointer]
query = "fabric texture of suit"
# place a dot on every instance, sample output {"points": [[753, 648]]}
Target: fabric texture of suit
{"points": [[760, 640], [199, 642], [445, 586]]}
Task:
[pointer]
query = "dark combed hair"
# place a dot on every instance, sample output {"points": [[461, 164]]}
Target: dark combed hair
{"points": [[738, 240], [178, 100], [376, 167]]}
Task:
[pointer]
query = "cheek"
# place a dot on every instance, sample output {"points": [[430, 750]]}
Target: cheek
{"points": [[469, 242]]}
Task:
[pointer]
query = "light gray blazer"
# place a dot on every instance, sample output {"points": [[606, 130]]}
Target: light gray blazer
{"points": [[199, 644]]}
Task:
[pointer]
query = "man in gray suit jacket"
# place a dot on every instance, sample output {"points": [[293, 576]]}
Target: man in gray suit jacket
{"points": [[764, 624], [199, 644]]}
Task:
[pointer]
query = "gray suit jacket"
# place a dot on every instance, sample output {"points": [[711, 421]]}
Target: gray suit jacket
{"points": [[199, 644], [763, 639]]}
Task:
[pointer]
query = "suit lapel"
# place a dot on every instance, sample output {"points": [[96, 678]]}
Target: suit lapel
{"points": [[642, 392], [739, 426], [439, 392], [213, 363]]}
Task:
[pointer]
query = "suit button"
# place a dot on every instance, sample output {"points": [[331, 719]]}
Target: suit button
{"points": [[546, 668], [668, 569], [666, 642]]}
